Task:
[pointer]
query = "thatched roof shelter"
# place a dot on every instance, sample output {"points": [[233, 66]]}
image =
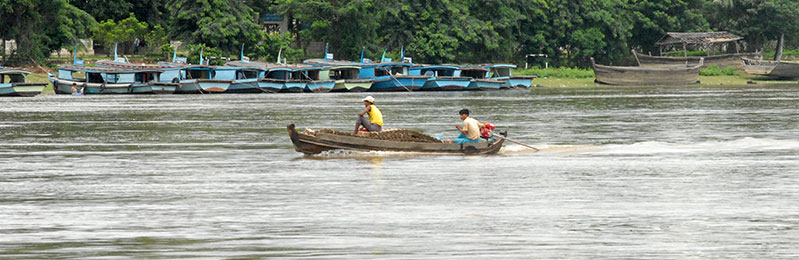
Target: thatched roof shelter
{"points": [[704, 40], [699, 38]]}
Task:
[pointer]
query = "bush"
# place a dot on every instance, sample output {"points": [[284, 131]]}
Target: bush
{"points": [[562, 72], [715, 70]]}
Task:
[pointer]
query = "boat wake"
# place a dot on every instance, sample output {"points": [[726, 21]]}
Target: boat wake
{"points": [[747, 144]]}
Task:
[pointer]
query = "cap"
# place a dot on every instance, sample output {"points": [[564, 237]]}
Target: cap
{"points": [[369, 98]]}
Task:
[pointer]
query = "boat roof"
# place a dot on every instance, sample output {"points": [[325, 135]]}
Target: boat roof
{"points": [[8, 70], [343, 67], [139, 66], [672, 38], [79, 68], [332, 62], [425, 66], [501, 65], [473, 67]]}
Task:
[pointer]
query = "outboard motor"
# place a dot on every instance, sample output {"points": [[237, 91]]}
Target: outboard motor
{"points": [[485, 132]]}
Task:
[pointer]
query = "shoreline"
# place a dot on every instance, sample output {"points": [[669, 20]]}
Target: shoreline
{"points": [[552, 82]]}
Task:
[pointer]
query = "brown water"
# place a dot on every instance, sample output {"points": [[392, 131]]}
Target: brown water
{"points": [[633, 173]]}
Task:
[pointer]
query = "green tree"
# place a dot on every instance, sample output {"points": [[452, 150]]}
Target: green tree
{"points": [[125, 32], [219, 23], [40, 27], [758, 21], [652, 19], [347, 25]]}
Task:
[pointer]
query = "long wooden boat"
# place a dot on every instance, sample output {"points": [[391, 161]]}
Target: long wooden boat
{"points": [[94, 80], [647, 75], [442, 77], [480, 78], [314, 142], [722, 60], [504, 72], [17, 84], [774, 69], [147, 75]]}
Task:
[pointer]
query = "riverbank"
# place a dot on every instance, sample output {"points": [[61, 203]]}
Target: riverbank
{"points": [[567, 81], [705, 81]]}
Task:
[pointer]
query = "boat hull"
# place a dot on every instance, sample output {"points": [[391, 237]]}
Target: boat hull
{"points": [[203, 86], [446, 84], [244, 86], [352, 85], [723, 60], [22, 89], [270, 86], [647, 75], [399, 83], [293, 87], [320, 86], [163, 87], [486, 84], [321, 142], [65, 87], [519, 82]]}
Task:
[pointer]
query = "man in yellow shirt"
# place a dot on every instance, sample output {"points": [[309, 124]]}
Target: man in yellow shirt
{"points": [[470, 131], [375, 121]]}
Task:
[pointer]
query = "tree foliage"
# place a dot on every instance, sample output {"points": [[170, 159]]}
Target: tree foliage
{"points": [[42, 26], [224, 24]]}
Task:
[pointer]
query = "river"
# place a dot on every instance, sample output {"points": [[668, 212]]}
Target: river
{"points": [[623, 173]]}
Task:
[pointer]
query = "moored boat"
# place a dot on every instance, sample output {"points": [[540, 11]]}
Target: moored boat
{"points": [[314, 142], [16, 83], [316, 80], [504, 72], [392, 76], [94, 80], [480, 79], [773, 69], [722, 60], [647, 75], [203, 79], [442, 77]]}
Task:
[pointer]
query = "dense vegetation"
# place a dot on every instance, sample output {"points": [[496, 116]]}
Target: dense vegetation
{"points": [[432, 31]]}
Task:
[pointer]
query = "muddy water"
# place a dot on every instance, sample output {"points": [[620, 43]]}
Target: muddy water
{"points": [[631, 173]]}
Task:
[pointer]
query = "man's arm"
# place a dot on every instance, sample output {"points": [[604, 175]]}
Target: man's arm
{"points": [[369, 108]]}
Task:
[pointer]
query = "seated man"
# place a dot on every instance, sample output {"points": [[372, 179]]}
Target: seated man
{"points": [[470, 132], [375, 121]]}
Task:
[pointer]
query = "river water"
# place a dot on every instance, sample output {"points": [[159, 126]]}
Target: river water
{"points": [[623, 173]]}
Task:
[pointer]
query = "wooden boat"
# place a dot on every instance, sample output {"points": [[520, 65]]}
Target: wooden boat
{"points": [[17, 84], [723, 60], [774, 69], [203, 79], [504, 72], [146, 75], [480, 78], [316, 80], [95, 80], [647, 75], [442, 77], [314, 142], [392, 76]]}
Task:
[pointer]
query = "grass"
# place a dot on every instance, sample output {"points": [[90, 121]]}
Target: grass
{"points": [[564, 73], [41, 78], [715, 70], [705, 81]]}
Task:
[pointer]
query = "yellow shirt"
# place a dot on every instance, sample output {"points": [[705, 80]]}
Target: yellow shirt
{"points": [[472, 128], [375, 116]]}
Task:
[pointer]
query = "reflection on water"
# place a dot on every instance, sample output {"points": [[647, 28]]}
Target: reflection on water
{"points": [[635, 173]]}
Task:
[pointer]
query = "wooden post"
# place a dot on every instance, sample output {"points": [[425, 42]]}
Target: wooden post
{"points": [[684, 50], [778, 53]]}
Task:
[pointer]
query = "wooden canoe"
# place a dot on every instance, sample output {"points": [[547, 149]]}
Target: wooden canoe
{"points": [[774, 69], [314, 142], [723, 60], [647, 75]]}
